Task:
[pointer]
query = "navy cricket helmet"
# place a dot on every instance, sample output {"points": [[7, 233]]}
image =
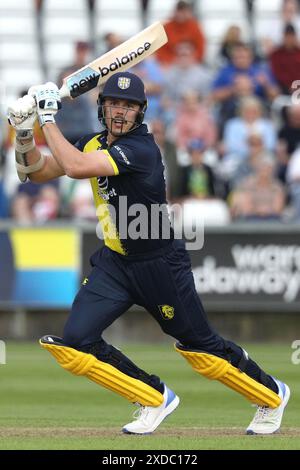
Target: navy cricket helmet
{"points": [[127, 86]]}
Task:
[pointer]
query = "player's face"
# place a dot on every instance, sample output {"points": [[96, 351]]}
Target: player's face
{"points": [[120, 115]]}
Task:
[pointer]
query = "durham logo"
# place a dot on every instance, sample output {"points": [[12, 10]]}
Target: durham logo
{"points": [[88, 78], [124, 83]]}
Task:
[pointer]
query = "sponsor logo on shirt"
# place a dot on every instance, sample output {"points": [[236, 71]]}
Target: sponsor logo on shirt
{"points": [[103, 191], [122, 154]]}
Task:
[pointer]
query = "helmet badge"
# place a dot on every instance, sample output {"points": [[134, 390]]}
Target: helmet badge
{"points": [[124, 83]]}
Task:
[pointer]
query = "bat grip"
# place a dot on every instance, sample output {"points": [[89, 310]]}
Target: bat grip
{"points": [[64, 91]]}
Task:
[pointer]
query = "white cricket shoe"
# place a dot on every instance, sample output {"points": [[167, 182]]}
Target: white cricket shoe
{"points": [[267, 420], [148, 418]]}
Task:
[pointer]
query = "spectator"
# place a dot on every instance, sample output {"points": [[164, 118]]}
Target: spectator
{"points": [[232, 37], [173, 172], [79, 201], [185, 75], [150, 72], [274, 32], [242, 62], [260, 196], [194, 121], [183, 27], [37, 204], [251, 120], [242, 87], [285, 60], [39, 5], [112, 40], [288, 138], [257, 153], [77, 116], [290, 131], [199, 180]]}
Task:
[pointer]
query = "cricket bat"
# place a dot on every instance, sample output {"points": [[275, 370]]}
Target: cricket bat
{"points": [[122, 57]]}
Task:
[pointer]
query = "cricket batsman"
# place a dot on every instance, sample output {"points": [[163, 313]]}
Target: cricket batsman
{"points": [[152, 271]]}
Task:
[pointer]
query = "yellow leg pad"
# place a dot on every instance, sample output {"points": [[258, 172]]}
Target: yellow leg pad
{"points": [[80, 363], [216, 368]]}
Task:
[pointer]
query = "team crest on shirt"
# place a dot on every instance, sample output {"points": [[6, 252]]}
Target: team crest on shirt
{"points": [[167, 311], [124, 83]]}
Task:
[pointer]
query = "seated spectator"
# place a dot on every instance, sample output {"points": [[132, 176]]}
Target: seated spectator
{"points": [[237, 130], [200, 202], [274, 30], [242, 62], [173, 172], [199, 180], [184, 75], [80, 201], [232, 37], [257, 153], [36, 203], [293, 180], [150, 72], [285, 60], [260, 196], [112, 40], [290, 131], [183, 27], [288, 138], [242, 87], [76, 118], [194, 121]]}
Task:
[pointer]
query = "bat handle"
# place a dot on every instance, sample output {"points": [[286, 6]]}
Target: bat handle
{"points": [[64, 91]]}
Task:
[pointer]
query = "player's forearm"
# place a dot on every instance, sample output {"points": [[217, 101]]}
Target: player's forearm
{"points": [[47, 168], [50, 171], [66, 155], [28, 159]]}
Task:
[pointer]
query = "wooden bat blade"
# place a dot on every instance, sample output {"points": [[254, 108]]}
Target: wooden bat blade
{"points": [[121, 58]]}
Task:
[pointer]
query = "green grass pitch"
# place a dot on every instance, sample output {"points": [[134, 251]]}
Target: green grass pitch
{"points": [[44, 407]]}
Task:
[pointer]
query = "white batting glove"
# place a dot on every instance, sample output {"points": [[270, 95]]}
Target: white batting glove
{"points": [[47, 100], [22, 115]]}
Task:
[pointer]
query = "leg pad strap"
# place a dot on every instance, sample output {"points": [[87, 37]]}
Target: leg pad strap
{"points": [[80, 363], [216, 368]]}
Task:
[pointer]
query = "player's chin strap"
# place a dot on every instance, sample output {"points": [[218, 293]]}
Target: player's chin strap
{"points": [[103, 373], [21, 165], [217, 368]]}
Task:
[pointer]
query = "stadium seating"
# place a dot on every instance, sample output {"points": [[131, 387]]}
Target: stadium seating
{"points": [[118, 16], [64, 22], [160, 10]]}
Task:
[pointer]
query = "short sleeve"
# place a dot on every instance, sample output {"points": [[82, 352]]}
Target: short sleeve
{"points": [[129, 160], [80, 144]]}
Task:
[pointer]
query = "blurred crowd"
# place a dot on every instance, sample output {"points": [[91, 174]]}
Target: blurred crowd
{"points": [[229, 134]]}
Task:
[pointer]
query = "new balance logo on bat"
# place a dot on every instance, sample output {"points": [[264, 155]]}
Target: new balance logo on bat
{"points": [[88, 78]]}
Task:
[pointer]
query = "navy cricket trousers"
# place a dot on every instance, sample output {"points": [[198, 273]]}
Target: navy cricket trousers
{"points": [[161, 282]]}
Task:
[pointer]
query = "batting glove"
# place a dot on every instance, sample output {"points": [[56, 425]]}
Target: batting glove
{"points": [[47, 100], [22, 115]]}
